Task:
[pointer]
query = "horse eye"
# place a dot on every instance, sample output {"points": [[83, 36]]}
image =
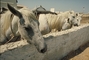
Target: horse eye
{"points": [[73, 16], [28, 28], [29, 31]]}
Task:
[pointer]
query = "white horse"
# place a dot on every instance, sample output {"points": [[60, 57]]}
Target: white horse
{"points": [[77, 20], [59, 22], [22, 22], [43, 26], [41, 10]]}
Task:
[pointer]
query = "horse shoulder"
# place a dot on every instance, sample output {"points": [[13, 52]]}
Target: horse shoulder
{"points": [[44, 27]]}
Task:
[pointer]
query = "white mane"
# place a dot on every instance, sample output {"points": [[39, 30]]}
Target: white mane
{"points": [[27, 12], [7, 18], [57, 21]]}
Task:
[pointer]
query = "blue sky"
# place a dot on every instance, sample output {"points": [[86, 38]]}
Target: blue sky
{"points": [[59, 5]]}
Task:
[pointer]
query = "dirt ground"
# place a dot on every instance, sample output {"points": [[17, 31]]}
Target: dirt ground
{"points": [[85, 20], [82, 53]]}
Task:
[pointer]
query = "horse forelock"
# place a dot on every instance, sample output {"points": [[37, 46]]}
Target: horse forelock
{"points": [[28, 13], [6, 21]]}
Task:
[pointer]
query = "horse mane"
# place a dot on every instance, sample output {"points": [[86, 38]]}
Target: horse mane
{"points": [[53, 20], [26, 12], [56, 21], [6, 20]]}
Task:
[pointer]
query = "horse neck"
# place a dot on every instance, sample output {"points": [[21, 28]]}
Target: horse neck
{"points": [[7, 19]]}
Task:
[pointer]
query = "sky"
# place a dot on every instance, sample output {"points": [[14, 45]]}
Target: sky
{"points": [[59, 5]]}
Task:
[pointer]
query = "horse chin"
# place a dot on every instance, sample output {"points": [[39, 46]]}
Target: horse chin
{"points": [[42, 48]]}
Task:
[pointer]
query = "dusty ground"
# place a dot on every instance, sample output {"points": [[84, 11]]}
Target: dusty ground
{"points": [[82, 53], [85, 20]]}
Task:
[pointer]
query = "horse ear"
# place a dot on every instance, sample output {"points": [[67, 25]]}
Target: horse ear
{"points": [[14, 11]]}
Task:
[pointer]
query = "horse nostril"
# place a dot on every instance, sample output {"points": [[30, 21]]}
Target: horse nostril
{"points": [[43, 50], [75, 24]]}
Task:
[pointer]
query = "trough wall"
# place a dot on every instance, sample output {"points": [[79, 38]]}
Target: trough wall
{"points": [[59, 45]]}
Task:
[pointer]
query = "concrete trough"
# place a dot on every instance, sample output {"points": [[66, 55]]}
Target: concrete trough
{"points": [[59, 45]]}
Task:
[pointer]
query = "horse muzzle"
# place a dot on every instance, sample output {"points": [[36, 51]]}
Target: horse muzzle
{"points": [[75, 24], [42, 49]]}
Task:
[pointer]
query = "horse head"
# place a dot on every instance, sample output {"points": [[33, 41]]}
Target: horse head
{"points": [[28, 28], [76, 19], [41, 10]]}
